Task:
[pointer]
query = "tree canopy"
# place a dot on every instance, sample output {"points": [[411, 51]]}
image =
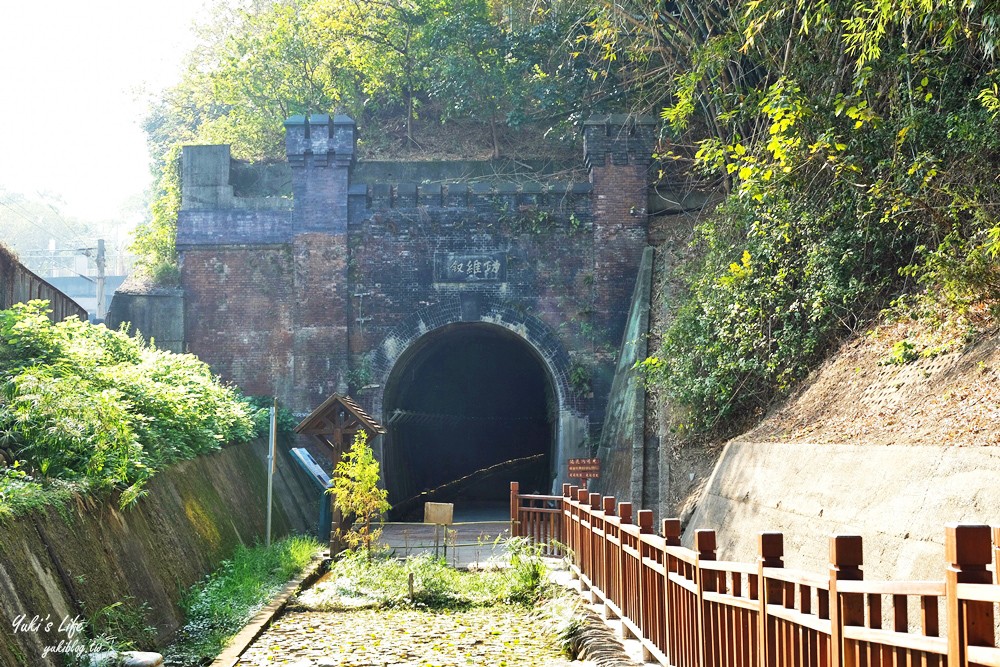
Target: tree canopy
{"points": [[851, 144], [854, 143], [376, 60]]}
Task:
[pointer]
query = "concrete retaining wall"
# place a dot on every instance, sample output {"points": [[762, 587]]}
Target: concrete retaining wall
{"points": [[623, 451], [158, 316], [60, 564], [897, 497]]}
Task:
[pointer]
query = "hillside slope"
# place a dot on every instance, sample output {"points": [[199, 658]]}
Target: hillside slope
{"points": [[890, 452], [952, 399]]}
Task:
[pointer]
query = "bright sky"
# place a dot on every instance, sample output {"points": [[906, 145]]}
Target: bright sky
{"points": [[76, 79]]}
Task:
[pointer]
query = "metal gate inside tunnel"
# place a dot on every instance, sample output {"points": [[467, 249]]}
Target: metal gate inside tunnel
{"points": [[468, 408]]}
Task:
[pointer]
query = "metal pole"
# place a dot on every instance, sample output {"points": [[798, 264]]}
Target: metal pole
{"points": [[270, 467], [102, 309]]}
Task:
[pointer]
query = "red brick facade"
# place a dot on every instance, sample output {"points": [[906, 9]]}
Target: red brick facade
{"points": [[327, 291]]}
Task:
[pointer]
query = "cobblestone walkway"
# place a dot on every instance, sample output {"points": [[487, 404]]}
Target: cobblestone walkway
{"points": [[492, 637]]}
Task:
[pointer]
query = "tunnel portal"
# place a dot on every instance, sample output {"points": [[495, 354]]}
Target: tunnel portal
{"points": [[465, 398]]}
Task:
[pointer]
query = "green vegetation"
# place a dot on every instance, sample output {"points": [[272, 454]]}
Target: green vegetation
{"points": [[86, 408], [509, 614], [390, 65], [217, 608], [357, 495], [121, 626], [155, 243], [580, 379], [854, 145], [384, 581]]}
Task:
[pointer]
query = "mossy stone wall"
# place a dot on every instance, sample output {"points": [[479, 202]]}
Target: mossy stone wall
{"points": [[62, 563]]}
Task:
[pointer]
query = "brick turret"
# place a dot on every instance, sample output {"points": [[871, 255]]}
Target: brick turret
{"points": [[321, 152], [618, 151]]}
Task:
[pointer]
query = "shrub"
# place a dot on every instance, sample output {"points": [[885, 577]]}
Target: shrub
{"points": [[385, 580], [101, 409], [356, 493], [220, 605]]}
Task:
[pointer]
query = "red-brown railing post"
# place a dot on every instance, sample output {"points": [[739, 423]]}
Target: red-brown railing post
{"points": [[596, 544], [625, 518], [996, 555], [704, 544], [771, 550], [572, 529], [515, 488], [846, 557], [968, 551], [608, 504], [645, 604], [646, 522], [567, 524], [583, 540], [671, 531]]}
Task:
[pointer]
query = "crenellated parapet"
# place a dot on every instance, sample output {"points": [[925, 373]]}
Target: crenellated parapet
{"points": [[503, 200], [324, 139], [205, 176], [619, 139]]}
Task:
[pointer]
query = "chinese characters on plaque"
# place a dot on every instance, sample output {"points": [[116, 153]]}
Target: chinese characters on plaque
{"points": [[470, 267]]}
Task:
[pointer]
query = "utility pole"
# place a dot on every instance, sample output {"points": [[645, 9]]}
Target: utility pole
{"points": [[100, 260], [271, 464]]}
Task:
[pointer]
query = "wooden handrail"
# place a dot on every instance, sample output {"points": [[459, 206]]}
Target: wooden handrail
{"points": [[894, 587], [688, 609]]}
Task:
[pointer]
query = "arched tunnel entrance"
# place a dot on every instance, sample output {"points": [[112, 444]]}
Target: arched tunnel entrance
{"points": [[461, 406]]}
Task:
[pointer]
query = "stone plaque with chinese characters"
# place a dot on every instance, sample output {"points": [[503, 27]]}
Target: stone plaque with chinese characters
{"points": [[485, 267]]}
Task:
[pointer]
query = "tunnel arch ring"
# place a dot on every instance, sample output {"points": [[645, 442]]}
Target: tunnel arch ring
{"points": [[539, 339]]}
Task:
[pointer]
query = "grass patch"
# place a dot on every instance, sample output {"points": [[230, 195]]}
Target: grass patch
{"points": [[506, 615], [220, 605], [20, 494], [356, 579]]}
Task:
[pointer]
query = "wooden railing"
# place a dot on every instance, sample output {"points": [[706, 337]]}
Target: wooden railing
{"points": [[689, 609], [538, 518]]}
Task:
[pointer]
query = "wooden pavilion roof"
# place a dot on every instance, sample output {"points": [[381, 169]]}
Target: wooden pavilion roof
{"points": [[337, 417]]}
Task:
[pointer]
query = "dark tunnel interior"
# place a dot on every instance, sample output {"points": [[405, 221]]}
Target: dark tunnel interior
{"points": [[465, 398]]}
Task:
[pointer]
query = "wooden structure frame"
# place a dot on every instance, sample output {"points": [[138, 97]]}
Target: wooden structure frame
{"points": [[335, 423], [689, 609]]}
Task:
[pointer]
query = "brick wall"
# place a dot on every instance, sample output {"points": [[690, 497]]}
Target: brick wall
{"points": [[240, 313], [618, 151], [295, 299]]}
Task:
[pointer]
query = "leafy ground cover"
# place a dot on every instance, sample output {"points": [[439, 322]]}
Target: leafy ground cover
{"points": [[495, 636], [218, 607], [86, 408], [421, 612], [853, 146]]}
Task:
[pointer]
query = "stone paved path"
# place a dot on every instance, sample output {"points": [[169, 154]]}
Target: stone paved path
{"points": [[494, 637]]}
